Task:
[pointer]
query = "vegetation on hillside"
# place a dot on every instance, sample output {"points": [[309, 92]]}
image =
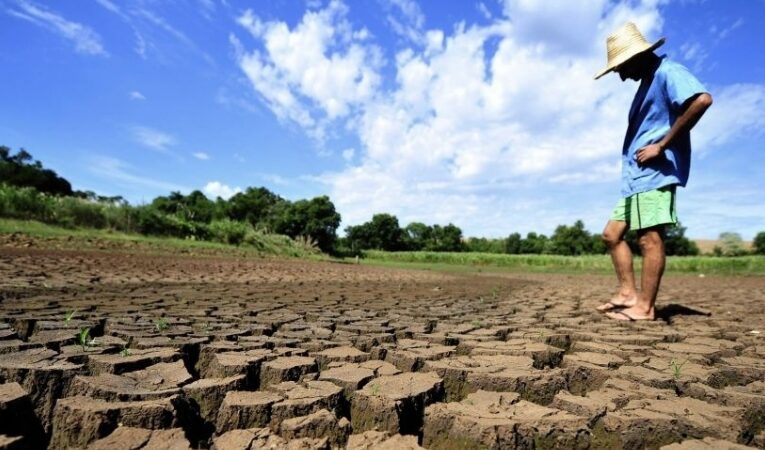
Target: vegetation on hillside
{"points": [[29, 191]]}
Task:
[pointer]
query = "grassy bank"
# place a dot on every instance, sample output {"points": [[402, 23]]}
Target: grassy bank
{"points": [[742, 265], [257, 245]]}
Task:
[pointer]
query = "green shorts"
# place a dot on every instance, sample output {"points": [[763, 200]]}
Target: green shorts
{"points": [[647, 209]]}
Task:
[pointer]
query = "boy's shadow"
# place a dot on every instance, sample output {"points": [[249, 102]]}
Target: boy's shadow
{"points": [[668, 312]]}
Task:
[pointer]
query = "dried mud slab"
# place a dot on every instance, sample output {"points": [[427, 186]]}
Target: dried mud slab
{"points": [[395, 403], [200, 350]]}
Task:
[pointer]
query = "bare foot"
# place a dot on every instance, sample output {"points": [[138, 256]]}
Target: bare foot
{"points": [[631, 314], [620, 301]]}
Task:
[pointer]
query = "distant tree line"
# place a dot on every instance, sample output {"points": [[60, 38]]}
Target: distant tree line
{"points": [[384, 233], [30, 191]]}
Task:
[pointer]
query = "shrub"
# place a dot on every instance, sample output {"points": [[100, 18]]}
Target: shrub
{"points": [[229, 231], [26, 203], [71, 211]]}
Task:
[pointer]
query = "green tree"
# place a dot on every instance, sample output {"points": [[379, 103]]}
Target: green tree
{"points": [[315, 218], [445, 239], [416, 235], [195, 207], [573, 240], [758, 245], [23, 171], [731, 244], [259, 206], [676, 244], [382, 233], [533, 244], [513, 244]]}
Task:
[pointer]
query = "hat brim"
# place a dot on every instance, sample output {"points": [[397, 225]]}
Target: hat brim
{"points": [[616, 64]]}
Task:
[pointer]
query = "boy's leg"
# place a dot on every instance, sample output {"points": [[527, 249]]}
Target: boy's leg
{"points": [[652, 246], [621, 256]]}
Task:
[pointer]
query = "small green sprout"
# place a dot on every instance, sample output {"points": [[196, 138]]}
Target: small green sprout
{"points": [[69, 316], [125, 351], [83, 338], [676, 368], [161, 324]]}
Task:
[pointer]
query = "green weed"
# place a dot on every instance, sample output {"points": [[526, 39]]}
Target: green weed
{"points": [[676, 368], [161, 324], [83, 338]]}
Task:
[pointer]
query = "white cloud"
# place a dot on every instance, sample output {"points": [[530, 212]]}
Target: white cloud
{"points": [[135, 95], [721, 34], [155, 139], [85, 40], [275, 179], [215, 189], [348, 154], [201, 156], [122, 173], [299, 72], [408, 20], [738, 110], [484, 10], [480, 118]]}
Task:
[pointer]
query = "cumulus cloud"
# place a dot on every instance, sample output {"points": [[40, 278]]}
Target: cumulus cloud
{"points": [[315, 73], [477, 120], [202, 156], [85, 40], [215, 189]]}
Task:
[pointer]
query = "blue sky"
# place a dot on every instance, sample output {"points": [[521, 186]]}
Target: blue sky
{"points": [[483, 114]]}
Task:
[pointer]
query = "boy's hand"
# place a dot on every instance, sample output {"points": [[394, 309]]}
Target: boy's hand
{"points": [[648, 153]]}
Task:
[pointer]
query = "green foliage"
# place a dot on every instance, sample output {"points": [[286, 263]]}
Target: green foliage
{"points": [[584, 263], [194, 207], [416, 235], [758, 245], [229, 231], [484, 245], [83, 338], [534, 244], [445, 239], [381, 233], [731, 244], [315, 218], [258, 206], [513, 244], [675, 242], [69, 316], [22, 171], [676, 368], [161, 324], [571, 241]]}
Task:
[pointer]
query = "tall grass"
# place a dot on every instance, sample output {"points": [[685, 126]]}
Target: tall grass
{"points": [[585, 263]]}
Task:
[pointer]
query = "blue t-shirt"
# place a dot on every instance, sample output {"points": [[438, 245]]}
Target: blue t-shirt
{"points": [[657, 104]]}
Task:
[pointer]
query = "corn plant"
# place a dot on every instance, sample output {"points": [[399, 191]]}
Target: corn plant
{"points": [[83, 338], [676, 368], [161, 324]]}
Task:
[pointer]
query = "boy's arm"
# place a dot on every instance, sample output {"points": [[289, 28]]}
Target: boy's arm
{"points": [[695, 108]]}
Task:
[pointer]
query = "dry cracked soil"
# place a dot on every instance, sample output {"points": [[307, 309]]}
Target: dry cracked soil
{"points": [[229, 352]]}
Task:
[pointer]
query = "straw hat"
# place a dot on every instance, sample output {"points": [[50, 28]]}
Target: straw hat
{"points": [[625, 43]]}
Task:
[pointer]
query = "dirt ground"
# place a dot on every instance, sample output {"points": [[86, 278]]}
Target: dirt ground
{"points": [[235, 353]]}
